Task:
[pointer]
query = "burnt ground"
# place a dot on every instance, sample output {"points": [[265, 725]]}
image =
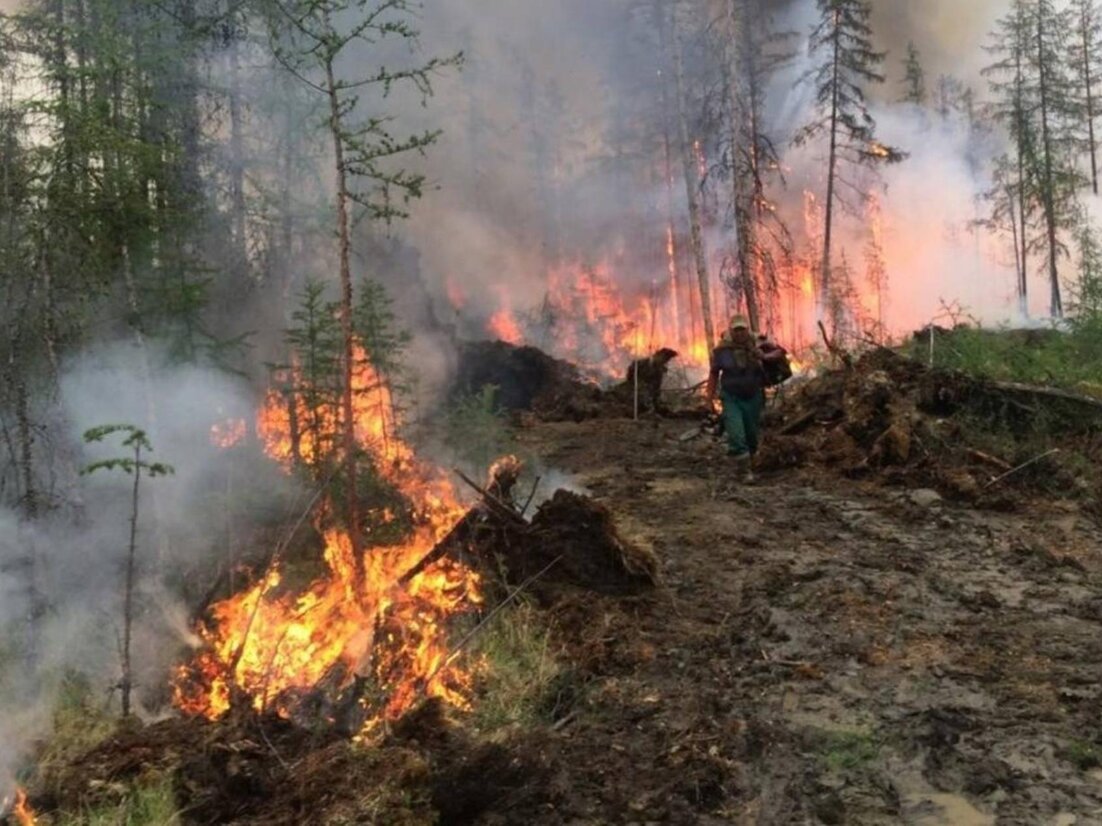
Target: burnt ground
{"points": [[820, 651]]}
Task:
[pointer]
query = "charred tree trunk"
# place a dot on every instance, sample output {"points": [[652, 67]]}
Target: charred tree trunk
{"points": [[692, 186], [237, 159]]}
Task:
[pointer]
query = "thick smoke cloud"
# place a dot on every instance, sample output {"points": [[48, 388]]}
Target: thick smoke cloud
{"points": [[544, 106], [185, 532]]}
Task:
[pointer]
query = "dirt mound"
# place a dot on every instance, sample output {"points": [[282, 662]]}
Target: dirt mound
{"points": [[890, 417], [582, 535], [527, 379]]}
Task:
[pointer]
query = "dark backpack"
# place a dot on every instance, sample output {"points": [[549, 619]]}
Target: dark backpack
{"points": [[778, 370]]}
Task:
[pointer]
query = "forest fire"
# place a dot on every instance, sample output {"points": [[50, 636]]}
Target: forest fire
{"points": [[278, 649], [589, 319]]}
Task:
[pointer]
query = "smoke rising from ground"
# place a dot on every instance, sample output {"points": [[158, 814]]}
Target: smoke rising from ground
{"points": [[187, 524]]}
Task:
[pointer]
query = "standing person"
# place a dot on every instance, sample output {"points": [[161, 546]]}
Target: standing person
{"points": [[738, 372]]}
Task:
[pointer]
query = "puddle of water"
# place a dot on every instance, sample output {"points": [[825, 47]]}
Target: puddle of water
{"points": [[955, 811]]}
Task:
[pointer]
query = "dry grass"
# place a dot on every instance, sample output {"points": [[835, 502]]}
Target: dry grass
{"points": [[517, 667]]}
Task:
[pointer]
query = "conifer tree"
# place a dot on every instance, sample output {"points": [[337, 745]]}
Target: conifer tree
{"points": [[1033, 97], [133, 464], [1086, 65], [847, 64], [752, 52], [315, 41], [1011, 194], [914, 80]]}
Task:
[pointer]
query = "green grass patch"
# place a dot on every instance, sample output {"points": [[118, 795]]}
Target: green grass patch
{"points": [[1064, 358], [518, 670], [848, 750], [79, 723], [1083, 755], [152, 803]]}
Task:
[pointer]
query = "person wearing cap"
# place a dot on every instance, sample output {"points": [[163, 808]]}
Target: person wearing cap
{"points": [[739, 376]]}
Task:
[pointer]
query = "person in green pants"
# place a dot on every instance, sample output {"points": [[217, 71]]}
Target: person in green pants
{"points": [[737, 373]]}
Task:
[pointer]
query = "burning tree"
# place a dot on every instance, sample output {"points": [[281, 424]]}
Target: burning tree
{"points": [[691, 173], [843, 41], [752, 50], [314, 39]]}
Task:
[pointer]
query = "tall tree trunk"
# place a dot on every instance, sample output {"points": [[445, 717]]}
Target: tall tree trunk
{"points": [[347, 366], [692, 185], [1088, 83], [667, 152], [1019, 264], [237, 158], [286, 266], [1023, 237], [1056, 309], [832, 164], [743, 197]]}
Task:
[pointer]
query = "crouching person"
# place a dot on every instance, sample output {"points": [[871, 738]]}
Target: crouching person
{"points": [[738, 372]]}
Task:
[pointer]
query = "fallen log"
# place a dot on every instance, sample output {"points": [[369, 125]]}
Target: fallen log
{"points": [[1040, 391]]}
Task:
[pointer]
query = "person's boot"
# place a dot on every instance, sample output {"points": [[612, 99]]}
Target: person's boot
{"points": [[742, 466]]}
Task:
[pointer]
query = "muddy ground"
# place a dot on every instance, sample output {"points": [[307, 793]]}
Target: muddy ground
{"points": [[821, 651]]}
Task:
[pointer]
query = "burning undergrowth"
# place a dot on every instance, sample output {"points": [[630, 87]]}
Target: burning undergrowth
{"points": [[422, 765], [345, 695], [891, 418], [363, 642]]}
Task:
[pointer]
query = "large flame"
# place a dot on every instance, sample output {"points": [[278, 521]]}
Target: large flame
{"points": [[276, 647]]}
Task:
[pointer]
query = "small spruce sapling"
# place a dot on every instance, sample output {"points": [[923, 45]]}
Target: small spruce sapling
{"points": [[137, 441]]}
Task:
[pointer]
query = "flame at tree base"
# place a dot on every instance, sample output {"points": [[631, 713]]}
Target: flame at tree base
{"points": [[278, 650]]}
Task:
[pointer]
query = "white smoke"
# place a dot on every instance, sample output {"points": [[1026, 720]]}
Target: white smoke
{"points": [[184, 533]]}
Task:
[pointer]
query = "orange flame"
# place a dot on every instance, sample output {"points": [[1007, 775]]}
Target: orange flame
{"points": [[504, 327], [274, 647], [20, 809], [228, 433]]}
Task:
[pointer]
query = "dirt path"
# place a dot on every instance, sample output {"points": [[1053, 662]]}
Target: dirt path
{"points": [[823, 653]]}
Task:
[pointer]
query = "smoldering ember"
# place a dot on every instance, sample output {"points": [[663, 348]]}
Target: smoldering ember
{"points": [[501, 412]]}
